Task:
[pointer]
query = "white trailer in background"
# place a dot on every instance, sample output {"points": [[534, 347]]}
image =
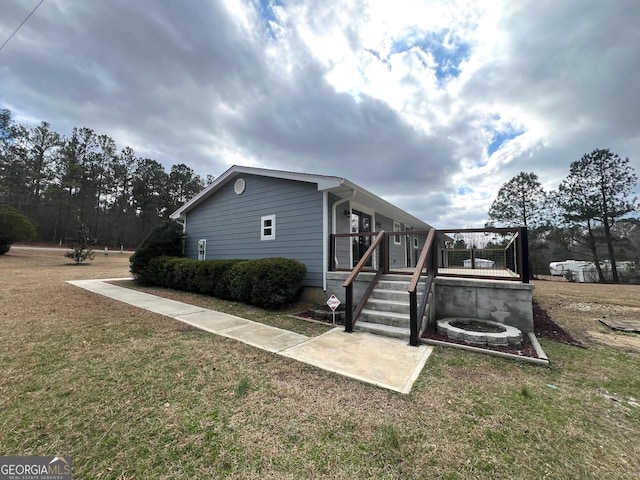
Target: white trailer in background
{"points": [[586, 272], [562, 268], [480, 263]]}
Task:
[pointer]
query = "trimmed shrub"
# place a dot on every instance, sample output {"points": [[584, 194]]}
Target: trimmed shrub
{"points": [[239, 278], [209, 277], [220, 272], [268, 282], [14, 227], [164, 239], [168, 272]]}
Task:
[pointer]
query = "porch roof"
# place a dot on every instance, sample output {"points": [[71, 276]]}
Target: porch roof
{"points": [[339, 186]]}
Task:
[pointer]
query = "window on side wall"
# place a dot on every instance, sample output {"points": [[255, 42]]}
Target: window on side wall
{"points": [[268, 227], [396, 228]]}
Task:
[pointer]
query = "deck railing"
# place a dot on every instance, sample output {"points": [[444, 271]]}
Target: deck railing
{"points": [[497, 253], [399, 255], [428, 262], [351, 314]]}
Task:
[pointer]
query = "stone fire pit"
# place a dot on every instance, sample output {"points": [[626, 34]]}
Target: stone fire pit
{"points": [[478, 332]]}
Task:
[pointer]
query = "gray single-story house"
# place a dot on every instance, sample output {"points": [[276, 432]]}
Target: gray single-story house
{"points": [[252, 213]]}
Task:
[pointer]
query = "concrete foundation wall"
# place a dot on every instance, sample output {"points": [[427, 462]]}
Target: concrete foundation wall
{"points": [[315, 295], [336, 279], [500, 301]]}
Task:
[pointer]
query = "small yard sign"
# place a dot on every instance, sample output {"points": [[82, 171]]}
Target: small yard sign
{"points": [[333, 303]]}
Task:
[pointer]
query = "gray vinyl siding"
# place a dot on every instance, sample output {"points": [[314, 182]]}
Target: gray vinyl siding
{"points": [[397, 253], [231, 223]]}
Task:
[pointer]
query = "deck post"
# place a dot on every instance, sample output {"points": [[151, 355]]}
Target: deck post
{"points": [[332, 252], [384, 253], [348, 317], [524, 253], [413, 319]]}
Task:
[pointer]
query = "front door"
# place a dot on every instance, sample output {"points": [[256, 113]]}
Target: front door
{"points": [[360, 223]]}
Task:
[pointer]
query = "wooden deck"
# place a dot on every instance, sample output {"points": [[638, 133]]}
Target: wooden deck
{"points": [[478, 272], [464, 272]]}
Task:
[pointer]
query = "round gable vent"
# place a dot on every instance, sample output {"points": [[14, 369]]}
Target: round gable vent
{"points": [[239, 186]]}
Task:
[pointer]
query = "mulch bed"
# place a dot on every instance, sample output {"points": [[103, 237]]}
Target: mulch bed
{"points": [[543, 325], [322, 313]]}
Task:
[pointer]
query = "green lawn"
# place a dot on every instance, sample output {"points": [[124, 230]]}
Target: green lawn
{"points": [[131, 394]]}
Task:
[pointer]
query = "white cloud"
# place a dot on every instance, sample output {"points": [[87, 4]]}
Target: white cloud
{"points": [[402, 97]]}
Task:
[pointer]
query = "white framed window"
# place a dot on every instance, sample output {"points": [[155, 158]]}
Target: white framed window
{"points": [[415, 241], [268, 227], [396, 228]]}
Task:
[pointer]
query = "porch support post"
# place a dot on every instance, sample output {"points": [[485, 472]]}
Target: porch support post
{"points": [[332, 252], [384, 253], [524, 252], [413, 319], [348, 319]]}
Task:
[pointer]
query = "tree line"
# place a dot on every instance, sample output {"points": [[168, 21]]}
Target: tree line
{"points": [[60, 183], [589, 217]]}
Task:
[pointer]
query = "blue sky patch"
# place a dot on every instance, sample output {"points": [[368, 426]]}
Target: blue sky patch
{"points": [[265, 9], [447, 51], [499, 138]]}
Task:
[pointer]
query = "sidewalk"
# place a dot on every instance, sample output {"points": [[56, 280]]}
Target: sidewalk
{"points": [[386, 362]]}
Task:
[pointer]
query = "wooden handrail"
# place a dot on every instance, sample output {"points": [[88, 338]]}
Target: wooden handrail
{"points": [[415, 315], [365, 258], [415, 278]]}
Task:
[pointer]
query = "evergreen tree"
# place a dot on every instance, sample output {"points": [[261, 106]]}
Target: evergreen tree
{"points": [[14, 227], [596, 193], [520, 202], [81, 249]]}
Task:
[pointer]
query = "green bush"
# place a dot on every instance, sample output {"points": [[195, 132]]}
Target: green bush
{"points": [[220, 272], [269, 282], [239, 282], [168, 271], [14, 227], [164, 239]]}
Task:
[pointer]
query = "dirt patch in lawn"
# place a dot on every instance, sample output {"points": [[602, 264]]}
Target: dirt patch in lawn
{"points": [[582, 308], [628, 342]]}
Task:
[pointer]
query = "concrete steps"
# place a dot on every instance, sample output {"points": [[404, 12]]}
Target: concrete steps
{"points": [[387, 310], [381, 329]]}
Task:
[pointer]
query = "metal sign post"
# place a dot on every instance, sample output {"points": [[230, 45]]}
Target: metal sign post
{"points": [[333, 303]]}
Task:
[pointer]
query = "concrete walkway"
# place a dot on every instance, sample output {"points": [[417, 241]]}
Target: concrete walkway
{"points": [[385, 362]]}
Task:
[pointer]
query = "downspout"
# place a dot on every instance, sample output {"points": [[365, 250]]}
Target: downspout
{"points": [[325, 236], [333, 216]]}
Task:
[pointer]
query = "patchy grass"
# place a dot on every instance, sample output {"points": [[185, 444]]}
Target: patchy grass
{"points": [[242, 388], [132, 394]]}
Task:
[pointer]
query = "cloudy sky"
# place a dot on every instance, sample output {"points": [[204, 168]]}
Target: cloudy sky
{"points": [[432, 105]]}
